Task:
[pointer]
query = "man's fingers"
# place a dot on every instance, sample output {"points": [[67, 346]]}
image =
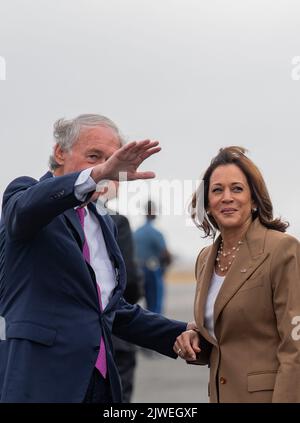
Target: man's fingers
{"points": [[176, 347], [150, 152], [139, 145], [183, 346], [128, 146], [138, 150], [126, 160], [143, 143], [141, 175], [195, 345], [189, 353], [142, 146]]}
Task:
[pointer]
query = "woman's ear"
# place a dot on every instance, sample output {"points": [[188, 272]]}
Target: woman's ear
{"points": [[254, 207]]}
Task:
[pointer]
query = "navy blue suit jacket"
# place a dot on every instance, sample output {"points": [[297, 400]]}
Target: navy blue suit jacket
{"points": [[48, 297]]}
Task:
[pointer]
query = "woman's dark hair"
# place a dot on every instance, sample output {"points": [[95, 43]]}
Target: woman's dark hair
{"points": [[259, 193]]}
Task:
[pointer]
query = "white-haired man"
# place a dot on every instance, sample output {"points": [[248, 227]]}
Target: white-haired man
{"points": [[62, 274]]}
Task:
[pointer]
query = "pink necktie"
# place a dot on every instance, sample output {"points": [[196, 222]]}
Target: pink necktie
{"points": [[101, 359]]}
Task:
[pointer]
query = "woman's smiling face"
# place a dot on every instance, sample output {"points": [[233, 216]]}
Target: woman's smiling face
{"points": [[229, 197]]}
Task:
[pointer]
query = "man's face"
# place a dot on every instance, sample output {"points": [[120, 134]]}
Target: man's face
{"points": [[94, 146]]}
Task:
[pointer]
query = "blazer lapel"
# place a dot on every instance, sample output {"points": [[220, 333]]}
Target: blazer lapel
{"points": [[206, 279], [73, 219], [204, 283], [112, 248], [248, 259]]}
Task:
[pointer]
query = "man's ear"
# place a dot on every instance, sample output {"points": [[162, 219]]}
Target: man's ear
{"points": [[59, 154]]}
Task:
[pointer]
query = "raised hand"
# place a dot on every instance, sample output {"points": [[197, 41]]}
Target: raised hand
{"points": [[127, 160]]}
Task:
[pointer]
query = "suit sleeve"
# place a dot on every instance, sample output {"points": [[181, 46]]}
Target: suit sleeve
{"points": [[285, 279], [29, 205], [146, 329]]}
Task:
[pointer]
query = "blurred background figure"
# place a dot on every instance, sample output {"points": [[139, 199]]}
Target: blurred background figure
{"points": [[154, 258]]}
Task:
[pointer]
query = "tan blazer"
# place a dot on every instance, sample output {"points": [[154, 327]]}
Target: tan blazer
{"points": [[255, 358]]}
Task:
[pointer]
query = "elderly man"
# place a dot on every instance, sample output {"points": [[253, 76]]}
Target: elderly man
{"points": [[62, 274]]}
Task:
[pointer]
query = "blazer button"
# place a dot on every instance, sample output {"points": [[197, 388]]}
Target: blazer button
{"points": [[223, 380]]}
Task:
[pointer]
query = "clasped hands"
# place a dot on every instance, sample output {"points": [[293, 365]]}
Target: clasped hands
{"points": [[187, 344]]}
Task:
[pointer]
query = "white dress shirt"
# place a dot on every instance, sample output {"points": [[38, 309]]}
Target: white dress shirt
{"points": [[99, 259], [215, 286]]}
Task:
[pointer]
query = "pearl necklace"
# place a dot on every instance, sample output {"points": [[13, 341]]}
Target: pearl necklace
{"points": [[230, 253]]}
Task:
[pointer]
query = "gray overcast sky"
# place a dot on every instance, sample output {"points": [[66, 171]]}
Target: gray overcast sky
{"points": [[196, 75]]}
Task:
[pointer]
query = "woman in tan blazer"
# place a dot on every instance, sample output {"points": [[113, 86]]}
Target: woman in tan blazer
{"points": [[247, 302]]}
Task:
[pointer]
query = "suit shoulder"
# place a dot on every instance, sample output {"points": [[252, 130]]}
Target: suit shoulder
{"points": [[19, 184], [277, 239], [204, 253], [21, 181], [282, 247]]}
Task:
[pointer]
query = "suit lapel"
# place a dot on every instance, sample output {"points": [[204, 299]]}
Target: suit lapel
{"points": [[248, 259], [204, 283], [73, 219], [205, 279], [112, 249]]}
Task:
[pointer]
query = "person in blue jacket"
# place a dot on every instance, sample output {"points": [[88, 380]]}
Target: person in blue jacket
{"points": [[62, 275], [154, 258]]}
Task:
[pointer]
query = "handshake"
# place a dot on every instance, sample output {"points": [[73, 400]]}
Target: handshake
{"points": [[192, 347]]}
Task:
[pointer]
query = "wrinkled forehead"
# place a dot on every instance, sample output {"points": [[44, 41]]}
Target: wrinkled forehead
{"points": [[100, 132], [98, 138]]}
